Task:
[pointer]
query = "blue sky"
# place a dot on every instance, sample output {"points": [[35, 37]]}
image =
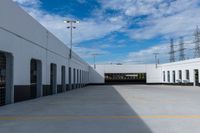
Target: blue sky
{"points": [[121, 31]]}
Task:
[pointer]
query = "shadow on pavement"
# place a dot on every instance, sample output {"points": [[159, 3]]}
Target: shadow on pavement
{"points": [[93, 109]]}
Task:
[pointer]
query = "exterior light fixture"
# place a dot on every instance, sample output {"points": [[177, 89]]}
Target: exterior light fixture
{"points": [[71, 27]]}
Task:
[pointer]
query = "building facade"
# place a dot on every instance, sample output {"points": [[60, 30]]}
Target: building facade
{"points": [[33, 62], [182, 72], [120, 74], [177, 73]]}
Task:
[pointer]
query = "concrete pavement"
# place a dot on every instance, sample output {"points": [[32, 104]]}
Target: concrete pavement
{"points": [[107, 109]]}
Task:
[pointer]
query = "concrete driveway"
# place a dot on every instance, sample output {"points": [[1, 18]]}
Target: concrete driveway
{"points": [[107, 109]]}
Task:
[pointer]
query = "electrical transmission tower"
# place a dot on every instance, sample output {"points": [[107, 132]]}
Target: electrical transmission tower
{"points": [[181, 49], [172, 52], [197, 43]]}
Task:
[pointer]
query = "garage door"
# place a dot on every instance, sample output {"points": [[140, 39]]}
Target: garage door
{"points": [[2, 79], [125, 78]]}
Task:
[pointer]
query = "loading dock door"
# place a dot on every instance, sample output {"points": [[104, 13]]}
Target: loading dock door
{"points": [[174, 77], [74, 78], [77, 78], [70, 80], [2, 79], [196, 77], [63, 77], [34, 77], [125, 78], [53, 79]]}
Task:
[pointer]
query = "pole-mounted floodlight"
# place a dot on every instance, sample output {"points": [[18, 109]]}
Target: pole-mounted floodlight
{"points": [[71, 27], [71, 21]]}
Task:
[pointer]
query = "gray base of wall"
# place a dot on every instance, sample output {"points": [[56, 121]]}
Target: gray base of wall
{"points": [[47, 90], [67, 88], [154, 83], [117, 84], [24, 92], [175, 84], [180, 84], [59, 89]]}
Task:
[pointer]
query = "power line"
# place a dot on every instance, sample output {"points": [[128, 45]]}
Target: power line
{"points": [[172, 52], [197, 43], [181, 49], [184, 47]]}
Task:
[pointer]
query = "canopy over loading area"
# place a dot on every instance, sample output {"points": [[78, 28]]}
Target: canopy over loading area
{"points": [[125, 78]]}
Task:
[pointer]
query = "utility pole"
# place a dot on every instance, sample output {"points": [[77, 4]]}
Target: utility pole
{"points": [[172, 52], [156, 59], [197, 43], [181, 49], [71, 27]]}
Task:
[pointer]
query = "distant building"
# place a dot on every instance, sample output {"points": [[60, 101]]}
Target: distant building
{"points": [[177, 73]]}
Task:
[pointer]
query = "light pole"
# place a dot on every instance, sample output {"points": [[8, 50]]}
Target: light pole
{"points": [[71, 27], [94, 55], [156, 59]]}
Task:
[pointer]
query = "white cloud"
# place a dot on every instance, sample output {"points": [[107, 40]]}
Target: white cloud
{"points": [[165, 19], [146, 7], [88, 52], [182, 24], [33, 3], [147, 56], [87, 29]]}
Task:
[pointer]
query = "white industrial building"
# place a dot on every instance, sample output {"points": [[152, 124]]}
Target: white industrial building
{"points": [[176, 73], [34, 63]]}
